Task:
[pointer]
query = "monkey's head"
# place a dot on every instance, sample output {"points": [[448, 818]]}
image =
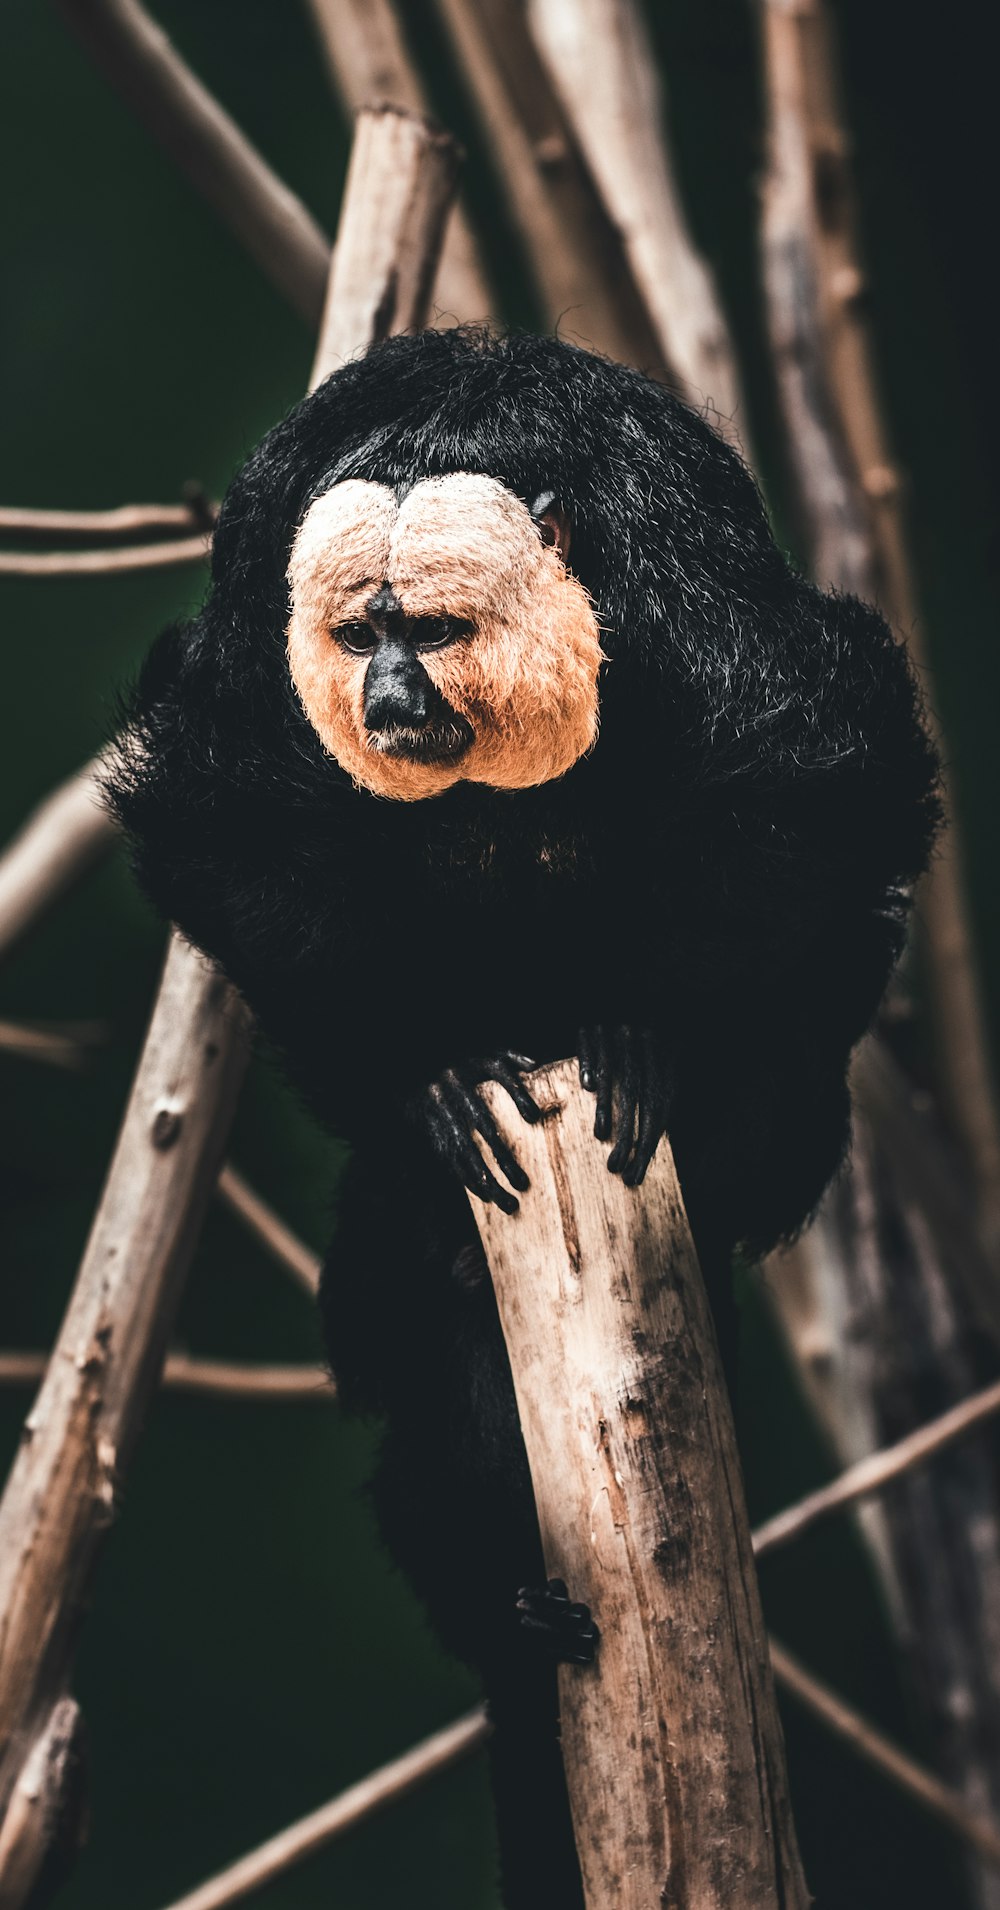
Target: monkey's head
{"points": [[437, 635], [461, 551]]}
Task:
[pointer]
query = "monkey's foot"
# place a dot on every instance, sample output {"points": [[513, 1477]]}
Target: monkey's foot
{"points": [[634, 1085], [567, 1630], [452, 1113]]}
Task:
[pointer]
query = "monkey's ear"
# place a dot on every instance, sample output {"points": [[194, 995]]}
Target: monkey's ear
{"points": [[552, 520]]}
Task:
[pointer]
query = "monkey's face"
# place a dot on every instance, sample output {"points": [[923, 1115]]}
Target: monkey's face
{"points": [[441, 639]]}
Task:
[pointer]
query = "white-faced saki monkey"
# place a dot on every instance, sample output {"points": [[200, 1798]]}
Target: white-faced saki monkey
{"points": [[507, 733]]}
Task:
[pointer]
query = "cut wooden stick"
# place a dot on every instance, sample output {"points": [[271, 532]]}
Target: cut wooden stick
{"points": [[281, 236], [583, 276], [353, 1806], [877, 1471], [62, 1489], [66, 836], [917, 1783], [604, 69], [369, 63], [268, 1228], [188, 1373], [672, 1745], [24, 521], [98, 563]]}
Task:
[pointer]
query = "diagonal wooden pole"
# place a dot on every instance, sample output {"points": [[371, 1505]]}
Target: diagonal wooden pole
{"points": [[63, 1487], [673, 1750]]}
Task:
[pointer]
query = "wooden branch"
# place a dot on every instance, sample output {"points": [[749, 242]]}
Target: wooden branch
{"points": [[835, 517], [604, 70], [672, 1745], [25, 521], [353, 1806], [982, 1833], [867, 1303], [98, 563], [62, 1488], [878, 1470], [583, 277], [48, 1806], [207, 146], [970, 1090], [65, 837], [369, 62], [60, 1044], [186, 1373], [268, 1228], [400, 185]]}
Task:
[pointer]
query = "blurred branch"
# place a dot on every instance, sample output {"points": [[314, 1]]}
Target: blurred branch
{"points": [[268, 1228], [982, 1833], [63, 1044], [186, 1373], [575, 255], [281, 236], [24, 521], [603, 66], [369, 62], [98, 563], [851, 488], [877, 1471], [353, 1806], [64, 838]]}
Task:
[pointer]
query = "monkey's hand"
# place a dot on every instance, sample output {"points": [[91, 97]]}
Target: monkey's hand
{"points": [[452, 1112], [634, 1085]]}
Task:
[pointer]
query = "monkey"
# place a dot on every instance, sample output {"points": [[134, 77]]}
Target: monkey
{"points": [[507, 733]]}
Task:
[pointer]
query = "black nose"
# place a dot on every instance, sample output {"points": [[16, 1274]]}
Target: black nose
{"points": [[398, 691]]}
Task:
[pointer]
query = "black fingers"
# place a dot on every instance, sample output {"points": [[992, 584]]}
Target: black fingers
{"points": [[480, 1118], [633, 1086], [507, 1070], [565, 1628], [451, 1134]]}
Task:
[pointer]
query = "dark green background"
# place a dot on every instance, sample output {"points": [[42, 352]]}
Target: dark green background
{"points": [[250, 1649]]}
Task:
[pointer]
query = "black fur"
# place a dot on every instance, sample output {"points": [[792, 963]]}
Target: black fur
{"points": [[729, 869]]}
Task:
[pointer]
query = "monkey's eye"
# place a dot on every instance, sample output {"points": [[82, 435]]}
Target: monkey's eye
{"points": [[432, 633], [359, 638]]}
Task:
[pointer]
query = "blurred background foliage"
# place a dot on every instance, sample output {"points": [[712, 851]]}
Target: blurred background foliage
{"points": [[250, 1649]]}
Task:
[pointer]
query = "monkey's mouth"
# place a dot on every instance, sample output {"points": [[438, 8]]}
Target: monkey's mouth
{"points": [[440, 742]]}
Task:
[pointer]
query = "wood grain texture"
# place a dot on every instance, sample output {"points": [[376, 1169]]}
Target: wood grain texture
{"points": [[672, 1744]]}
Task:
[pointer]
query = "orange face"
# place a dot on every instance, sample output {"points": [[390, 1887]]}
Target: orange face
{"points": [[505, 633]]}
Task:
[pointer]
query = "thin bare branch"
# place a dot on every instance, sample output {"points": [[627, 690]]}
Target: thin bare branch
{"points": [[353, 1806], [98, 563], [66, 836], [878, 1470], [188, 1373], [879, 1751], [267, 1227], [24, 521], [62, 1044], [604, 69], [207, 146], [369, 62]]}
